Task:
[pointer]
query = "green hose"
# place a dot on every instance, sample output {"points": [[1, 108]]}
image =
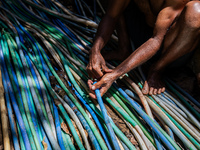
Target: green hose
{"points": [[68, 143], [100, 140], [184, 101], [24, 98], [22, 146], [179, 127], [148, 135], [28, 130], [71, 126], [35, 87]]}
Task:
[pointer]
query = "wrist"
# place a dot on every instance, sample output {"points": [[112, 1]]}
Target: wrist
{"points": [[115, 74], [94, 51]]}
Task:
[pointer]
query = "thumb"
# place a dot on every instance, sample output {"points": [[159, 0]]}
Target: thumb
{"points": [[106, 69], [97, 85]]}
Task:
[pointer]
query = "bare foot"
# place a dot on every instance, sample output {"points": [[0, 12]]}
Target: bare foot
{"points": [[116, 54], [154, 84]]}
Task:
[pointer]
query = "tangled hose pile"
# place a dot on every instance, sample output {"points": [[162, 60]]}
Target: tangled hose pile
{"points": [[43, 55]]}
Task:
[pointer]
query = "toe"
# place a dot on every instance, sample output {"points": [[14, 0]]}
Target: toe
{"points": [[159, 91], [151, 91], [145, 89], [163, 89], [155, 91]]}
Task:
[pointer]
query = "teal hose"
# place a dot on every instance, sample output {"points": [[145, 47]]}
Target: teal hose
{"points": [[147, 134], [68, 144], [184, 101], [24, 95], [22, 146], [21, 107], [40, 41], [74, 100], [44, 120], [73, 130]]}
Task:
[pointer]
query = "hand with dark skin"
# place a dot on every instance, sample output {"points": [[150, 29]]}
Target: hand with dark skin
{"points": [[181, 39], [105, 82], [97, 65]]}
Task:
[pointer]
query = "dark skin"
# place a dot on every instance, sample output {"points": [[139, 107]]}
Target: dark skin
{"points": [[180, 39]]}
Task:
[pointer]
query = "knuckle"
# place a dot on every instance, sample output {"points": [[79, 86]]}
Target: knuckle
{"points": [[88, 68], [95, 68]]}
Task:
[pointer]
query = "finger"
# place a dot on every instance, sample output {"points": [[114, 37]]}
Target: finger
{"points": [[91, 75], [97, 72], [103, 91], [151, 91], [89, 71], [106, 69], [155, 91], [92, 95], [97, 85], [90, 83]]}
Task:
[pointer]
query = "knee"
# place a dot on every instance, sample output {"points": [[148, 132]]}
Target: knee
{"points": [[192, 14]]}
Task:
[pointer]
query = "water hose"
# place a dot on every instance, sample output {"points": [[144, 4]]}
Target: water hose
{"points": [[4, 118], [14, 102], [42, 41], [107, 122], [10, 113], [162, 137]]}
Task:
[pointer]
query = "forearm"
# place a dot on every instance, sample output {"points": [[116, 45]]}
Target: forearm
{"points": [[139, 56], [104, 32]]}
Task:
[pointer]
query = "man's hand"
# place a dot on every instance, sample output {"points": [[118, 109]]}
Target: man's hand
{"points": [[96, 67], [103, 85]]}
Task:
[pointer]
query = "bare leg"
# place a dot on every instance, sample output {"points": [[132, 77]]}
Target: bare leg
{"points": [[181, 39], [124, 49]]}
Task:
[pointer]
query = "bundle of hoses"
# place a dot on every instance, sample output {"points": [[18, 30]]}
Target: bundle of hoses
{"points": [[43, 54]]}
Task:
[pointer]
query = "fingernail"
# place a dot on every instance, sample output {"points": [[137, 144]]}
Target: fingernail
{"points": [[93, 87]]}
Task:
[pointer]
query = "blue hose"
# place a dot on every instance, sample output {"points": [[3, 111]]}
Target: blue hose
{"points": [[169, 99], [84, 122], [45, 68], [22, 146], [39, 109], [29, 99], [185, 93], [107, 122], [14, 103], [156, 138], [58, 128], [33, 73], [25, 83], [46, 140], [9, 108], [124, 146], [44, 92], [146, 118], [68, 143], [93, 115]]}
